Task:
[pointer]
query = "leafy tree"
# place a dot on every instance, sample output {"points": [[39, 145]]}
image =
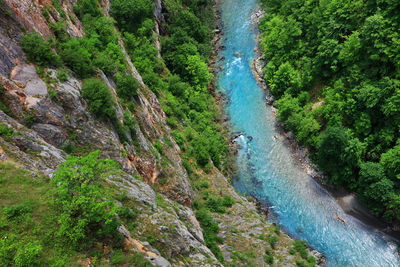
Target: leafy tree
{"points": [[126, 85], [129, 14], [285, 79], [391, 161], [77, 57], [393, 206], [339, 156], [91, 7], [374, 187], [80, 197], [177, 87], [197, 72], [189, 23], [287, 106], [101, 102], [326, 58]]}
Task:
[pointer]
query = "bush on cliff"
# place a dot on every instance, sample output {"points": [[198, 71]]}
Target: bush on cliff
{"points": [[130, 14], [126, 85], [77, 57], [38, 50], [100, 100], [79, 196]]}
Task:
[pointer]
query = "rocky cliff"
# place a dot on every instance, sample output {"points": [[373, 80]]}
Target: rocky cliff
{"points": [[46, 115]]}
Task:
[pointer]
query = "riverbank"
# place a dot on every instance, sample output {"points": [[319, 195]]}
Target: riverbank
{"points": [[216, 65], [347, 200]]}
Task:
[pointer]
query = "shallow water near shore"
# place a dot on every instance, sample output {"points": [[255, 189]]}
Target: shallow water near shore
{"points": [[267, 169]]}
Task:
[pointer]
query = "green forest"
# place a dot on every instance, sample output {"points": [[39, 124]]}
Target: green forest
{"points": [[333, 68]]}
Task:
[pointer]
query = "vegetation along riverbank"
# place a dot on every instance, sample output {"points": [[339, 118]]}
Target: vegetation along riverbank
{"points": [[335, 80]]}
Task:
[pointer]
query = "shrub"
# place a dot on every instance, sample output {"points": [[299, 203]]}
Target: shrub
{"points": [[138, 260], [28, 255], [15, 253], [5, 109], [68, 147], [228, 201], [52, 94], [77, 58], [117, 258], [272, 240], [30, 119], [201, 154], [87, 7], [62, 75], [300, 246], [158, 146], [101, 102], [15, 211], [79, 197], [277, 230], [211, 229], [121, 132], [5, 131], [126, 85], [130, 14], [269, 259], [215, 204], [38, 50]]}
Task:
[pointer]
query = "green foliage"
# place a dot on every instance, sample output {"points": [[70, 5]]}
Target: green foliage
{"points": [[15, 211], [131, 13], [126, 85], [99, 98], [38, 50], [77, 57], [339, 156], [5, 132], [5, 109], [158, 146], [137, 259], [122, 132], [27, 222], [62, 75], [210, 230], [91, 7], [197, 72], [52, 94], [269, 259], [13, 253], [272, 240], [117, 258], [335, 65], [391, 162], [300, 247], [79, 198], [285, 79], [30, 119]]}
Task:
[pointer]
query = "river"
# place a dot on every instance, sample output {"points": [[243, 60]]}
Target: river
{"points": [[267, 169]]}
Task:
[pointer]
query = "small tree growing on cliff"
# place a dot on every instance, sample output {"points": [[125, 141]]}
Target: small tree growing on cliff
{"points": [[79, 196], [99, 97], [38, 50]]}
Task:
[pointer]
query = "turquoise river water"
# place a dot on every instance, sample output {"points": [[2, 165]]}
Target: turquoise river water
{"points": [[266, 169]]}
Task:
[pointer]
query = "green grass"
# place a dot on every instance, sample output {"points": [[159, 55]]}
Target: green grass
{"points": [[27, 222]]}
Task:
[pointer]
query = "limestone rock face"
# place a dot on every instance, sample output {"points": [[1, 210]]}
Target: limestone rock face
{"points": [[28, 148]]}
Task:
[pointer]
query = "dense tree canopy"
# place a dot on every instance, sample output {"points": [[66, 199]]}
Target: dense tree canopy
{"points": [[334, 68]]}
